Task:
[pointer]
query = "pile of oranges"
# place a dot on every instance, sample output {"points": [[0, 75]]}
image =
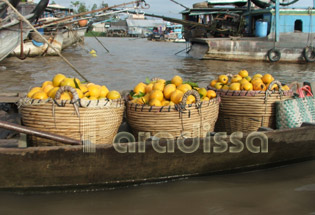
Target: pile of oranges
{"points": [[88, 91], [242, 81], [167, 93]]}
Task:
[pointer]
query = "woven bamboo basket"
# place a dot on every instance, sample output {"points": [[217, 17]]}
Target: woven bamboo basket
{"points": [[96, 121], [181, 120], [246, 111]]}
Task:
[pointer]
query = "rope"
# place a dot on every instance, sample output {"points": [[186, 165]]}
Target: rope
{"points": [[34, 29], [310, 11]]}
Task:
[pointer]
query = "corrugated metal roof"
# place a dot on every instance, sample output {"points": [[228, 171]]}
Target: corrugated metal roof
{"points": [[144, 22]]}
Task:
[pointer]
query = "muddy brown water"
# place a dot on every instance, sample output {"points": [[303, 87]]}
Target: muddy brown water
{"points": [[284, 190]]}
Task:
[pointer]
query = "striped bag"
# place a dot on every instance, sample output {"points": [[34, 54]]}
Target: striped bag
{"points": [[292, 113]]}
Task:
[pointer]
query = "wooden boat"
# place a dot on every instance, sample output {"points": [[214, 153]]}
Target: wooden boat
{"points": [[85, 167]]}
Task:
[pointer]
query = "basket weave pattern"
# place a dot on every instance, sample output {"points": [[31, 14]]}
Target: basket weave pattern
{"points": [[189, 120], [97, 121], [246, 111]]}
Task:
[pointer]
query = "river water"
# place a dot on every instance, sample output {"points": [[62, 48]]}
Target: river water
{"points": [[284, 190]]}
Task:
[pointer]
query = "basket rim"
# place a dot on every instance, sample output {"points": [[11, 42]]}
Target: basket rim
{"points": [[26, 101], [251, 93], [171, 107]]}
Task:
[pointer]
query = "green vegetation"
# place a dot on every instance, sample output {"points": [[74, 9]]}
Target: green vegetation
{"points": [[81, 7]]}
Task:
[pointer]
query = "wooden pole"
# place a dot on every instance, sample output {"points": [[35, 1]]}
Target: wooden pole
{"points": [[44, 39]]}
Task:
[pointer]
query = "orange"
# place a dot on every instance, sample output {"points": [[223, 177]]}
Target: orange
{"points": [[168, 90], [190, 99], [139, 88], [47, 88], [177, 96], [58, 79], [235, 86], [259, 86], [149, 88], [53, 92], [40, 95], [94, 91], [213, 82], [177, 80], [156, 94], [155, 102], [113, 95], [223, 79], [46, 83], [33, 91], [243, 73], [211, 94], [247, 86], [65, 96], [184, 87], [68, 82], [218, 85], [103, 91], [158, 86], [236, 78], [267, 78]]}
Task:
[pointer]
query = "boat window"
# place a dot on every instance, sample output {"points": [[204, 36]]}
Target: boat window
{"points": [[298, 26]]}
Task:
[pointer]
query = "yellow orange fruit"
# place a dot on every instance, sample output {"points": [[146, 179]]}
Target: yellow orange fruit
{"points": [[92, 98], [168, 90], [236, 78], [211, 94], [177, 96], [103, 91], [213, 82], [139, 88], [285, 88], [58, 79], [65, 96], [53, 92], [79, 92], [218, 85], [256, 80], [47, 88], [243, 81], [247, 86], [161, 81], [267, 78], [190, 99], [158, 86], [235, 86], [156, 94], [205, 99], [155, 102], [184, 87], [202, 92], [274, 87], [33, 91], [40, 95], [259, 86], [248, 78], [83, 88], [68, 82], [243, 73], [223, 79], [113, 95], [165, 103], [46, 83], [257, 76], [94, 91], [226, 87], [149, 88], [177, 80]]}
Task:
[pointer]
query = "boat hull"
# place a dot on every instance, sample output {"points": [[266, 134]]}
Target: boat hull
{"points": [[62, 167], [248, 49], [10, 38], [71, 37]]}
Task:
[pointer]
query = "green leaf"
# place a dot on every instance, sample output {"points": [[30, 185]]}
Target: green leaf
{"points": [[168, 82], [192, 84], [138, 95], [76, 83], [147, 80], [201, 96]]}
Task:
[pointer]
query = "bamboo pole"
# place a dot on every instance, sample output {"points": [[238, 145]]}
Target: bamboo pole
{"points": [[43, 38]]}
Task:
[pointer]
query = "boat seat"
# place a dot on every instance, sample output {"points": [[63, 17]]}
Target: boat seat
{"points": [[264, 129], [307, 124]]}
